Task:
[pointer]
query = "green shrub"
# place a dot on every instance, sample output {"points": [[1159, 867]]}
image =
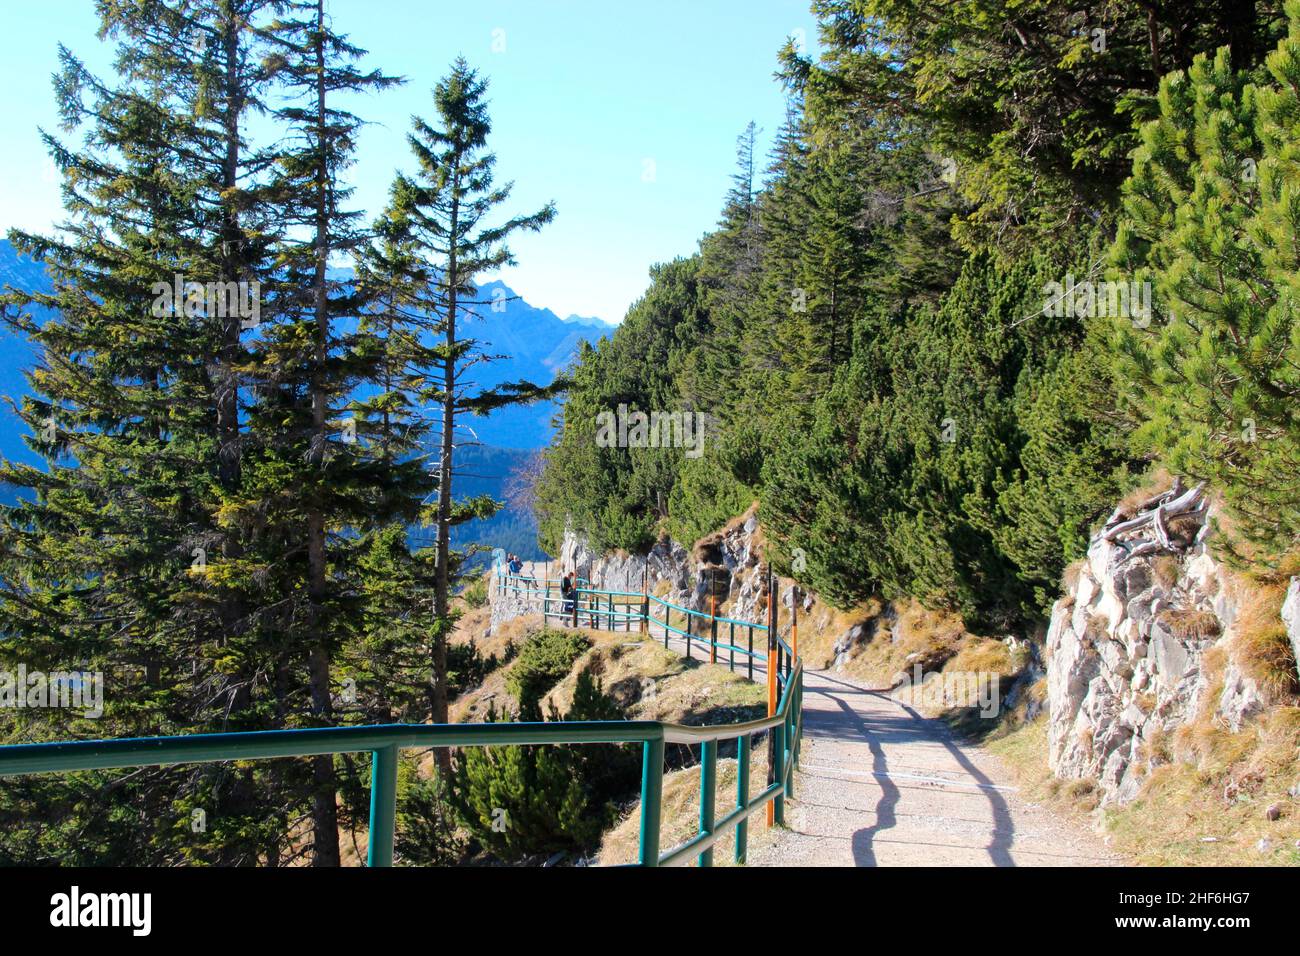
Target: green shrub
{"points": [[544, 660], [466, 667], [520, 801], [475, 592], [426, 834]]}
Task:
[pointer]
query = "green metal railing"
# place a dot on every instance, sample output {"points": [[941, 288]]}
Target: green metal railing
{"points": [[600, 610], [386, 741]]}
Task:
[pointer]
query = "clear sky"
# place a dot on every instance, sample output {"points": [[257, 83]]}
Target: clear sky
{"points": [[625, 113]]}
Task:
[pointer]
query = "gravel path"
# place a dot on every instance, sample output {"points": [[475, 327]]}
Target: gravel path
{"points": [[880, 785]]}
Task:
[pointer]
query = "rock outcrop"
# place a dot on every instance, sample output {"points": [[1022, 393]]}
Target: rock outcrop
{"points": [[1127, 649], [726, 563], [1291, 617]]}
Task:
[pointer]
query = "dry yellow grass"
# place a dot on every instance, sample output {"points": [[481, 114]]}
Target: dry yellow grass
{"points": [[913, 635], [1260, 644], [1214, 811], [1166, 568], [473, 705], [652, 683], [1189, 623], [1024, 750], [822, 626], [1153, 483], [680, 819], [1205, 804]]}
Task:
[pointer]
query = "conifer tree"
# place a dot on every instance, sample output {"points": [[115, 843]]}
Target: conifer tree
{"points": [[314, 476], [451, 208], [134, 405], [1208, 219]]}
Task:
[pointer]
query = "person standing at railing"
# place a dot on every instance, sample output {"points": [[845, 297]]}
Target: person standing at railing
{"points": [[566, 592], [515, 564]]}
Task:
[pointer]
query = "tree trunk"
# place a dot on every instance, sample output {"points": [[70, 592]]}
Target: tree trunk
{"points": [[442, 581], [325, 827]]}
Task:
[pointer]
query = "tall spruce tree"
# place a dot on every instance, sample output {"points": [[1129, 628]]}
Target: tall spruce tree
{"points": [[108, 559], [451, 208], [314, 476]]}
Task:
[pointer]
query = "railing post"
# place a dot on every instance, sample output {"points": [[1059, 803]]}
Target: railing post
{"points": [[798, 737], [731, 646], [688, 633], [708, 793], [751, 652], [574, 594], [742, 795], [652, 791], [778, 751], [383, 806], [787, 764], [713, 618], [772, 663], [794, 624]]}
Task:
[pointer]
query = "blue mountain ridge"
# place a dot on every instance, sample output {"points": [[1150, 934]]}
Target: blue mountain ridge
{"points": [[535, 345]]}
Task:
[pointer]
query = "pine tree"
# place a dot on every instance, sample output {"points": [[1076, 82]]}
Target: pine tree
{"points": [[448, 206], [108, 563], [1208, 216], [311, 478]]}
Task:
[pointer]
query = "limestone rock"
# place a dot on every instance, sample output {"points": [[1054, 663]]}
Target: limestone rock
{"points": [[1122, 666], [1291, 616], [1240, 699]]}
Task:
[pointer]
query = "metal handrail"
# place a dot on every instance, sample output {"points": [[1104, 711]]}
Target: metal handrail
{"points": [[585, 601], [386, 740]]}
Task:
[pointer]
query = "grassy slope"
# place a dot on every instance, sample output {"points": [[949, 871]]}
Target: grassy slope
{"points": [[681, 807]]}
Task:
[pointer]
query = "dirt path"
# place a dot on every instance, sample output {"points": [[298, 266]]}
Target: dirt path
{"points": [[880, 785]]}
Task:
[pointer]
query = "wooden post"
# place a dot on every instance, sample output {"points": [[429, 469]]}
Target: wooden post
{"points": [[772, 663], [713, 619]]}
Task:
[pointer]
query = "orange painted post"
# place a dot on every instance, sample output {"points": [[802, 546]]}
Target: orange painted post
{"points": [[645, 596], [713, 620]]}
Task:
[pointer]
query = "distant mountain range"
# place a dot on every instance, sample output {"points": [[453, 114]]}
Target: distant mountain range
{"points": [[536, 345]]}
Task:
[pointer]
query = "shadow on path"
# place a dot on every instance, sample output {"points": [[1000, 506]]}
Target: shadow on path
{"points": [[847, 723]]}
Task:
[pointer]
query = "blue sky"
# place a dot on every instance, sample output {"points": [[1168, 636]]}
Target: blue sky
{"points": [[626, 114]]}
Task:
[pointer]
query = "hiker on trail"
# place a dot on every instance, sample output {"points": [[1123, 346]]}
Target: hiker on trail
{"points": [[515, 564], [566, 592]]}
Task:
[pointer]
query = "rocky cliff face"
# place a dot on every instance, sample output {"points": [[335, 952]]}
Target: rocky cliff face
{"points": [[1129, 653], [726, 562]]}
